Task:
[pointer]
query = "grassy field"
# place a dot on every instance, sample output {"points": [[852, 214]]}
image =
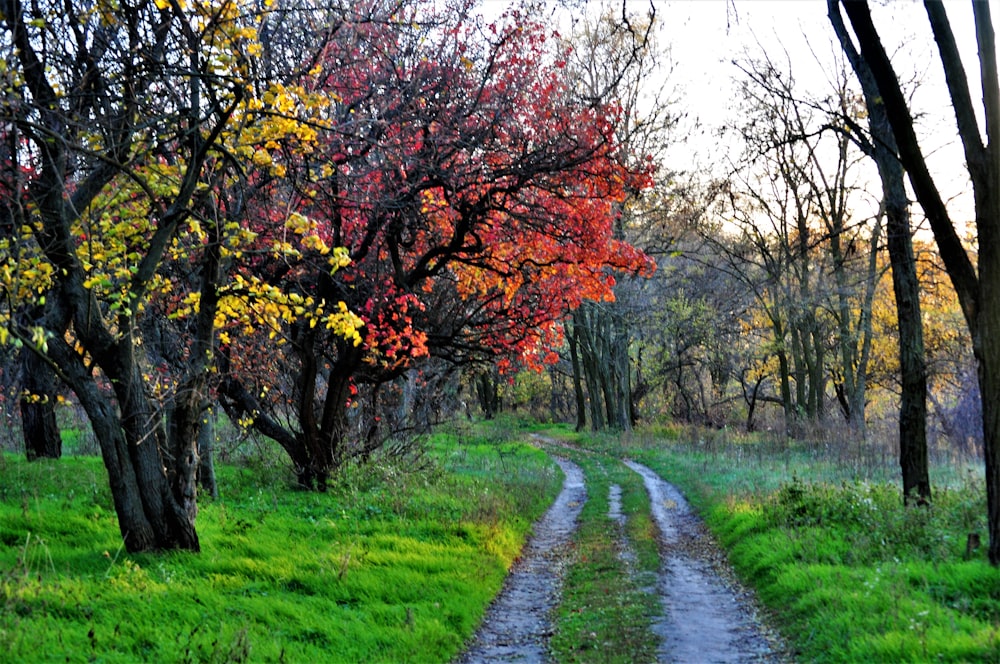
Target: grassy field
{"points": [[848, 573], [392, 565], [398, 561]]}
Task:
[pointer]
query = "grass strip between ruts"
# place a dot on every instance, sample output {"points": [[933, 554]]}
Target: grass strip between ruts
{"points": [[609, 600]]}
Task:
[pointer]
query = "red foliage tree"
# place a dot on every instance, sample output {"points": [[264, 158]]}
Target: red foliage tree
{"points": [[474, 198]]}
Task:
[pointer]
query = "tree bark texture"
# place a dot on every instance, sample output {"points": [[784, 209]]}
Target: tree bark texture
{"points": [[578, 393], [487, 394], [979, 294], [604, 354], [206, 451], [38, 414], [905, 284]]}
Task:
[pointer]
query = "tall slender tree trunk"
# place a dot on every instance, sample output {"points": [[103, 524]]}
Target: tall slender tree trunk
{"points": [[800, 371], [855, 340], [206, 451], [622, 374], [787, 406], [987, 179], [978, 294], [591, 372], [603, 348], [581, 401], [859, 394], [817, 374], [487, 394], [986, 346], [905, 283]]}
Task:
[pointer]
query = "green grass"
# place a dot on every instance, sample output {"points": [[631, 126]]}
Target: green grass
{"points": [[848, 573], [388, 566], [397, 564]]}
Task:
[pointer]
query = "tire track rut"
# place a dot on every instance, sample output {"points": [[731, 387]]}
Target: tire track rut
{"points": [[517, 625], [707, 616]]}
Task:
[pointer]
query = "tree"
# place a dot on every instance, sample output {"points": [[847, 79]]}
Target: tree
{"points": [[808, 257], [37, 405], [474, 201], [699, 317], [978, 289], [37, 380], [906, 287], [611, 59], [130, 126]]}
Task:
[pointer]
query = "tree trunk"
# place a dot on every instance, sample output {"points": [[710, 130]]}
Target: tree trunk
{"points": [[581, 401], [905, 283], [38, 413], [591, 370], [912, 364], [206, 451], [979, 295], [622, 374], [986, 345], [859, 397], [333, 423], [817, 375], [183, 445], [148, 516], [800, 372], [855, 339], [751, 400], [487, 394], [240, 403], [603, 348], [788, 408]]}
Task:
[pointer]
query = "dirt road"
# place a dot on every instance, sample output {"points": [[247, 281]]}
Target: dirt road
{"points": [[517, 626], [706, 616]]}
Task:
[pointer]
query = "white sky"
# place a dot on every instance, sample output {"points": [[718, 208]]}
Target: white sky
{"points": [[705, 36]]}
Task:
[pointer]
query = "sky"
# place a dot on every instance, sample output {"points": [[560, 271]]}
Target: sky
{"points": [[704, 37]]}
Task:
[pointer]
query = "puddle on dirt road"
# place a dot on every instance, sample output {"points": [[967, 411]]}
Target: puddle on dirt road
{"points": [[706, 619], [623, 546], [615, 505], [517, 627]]}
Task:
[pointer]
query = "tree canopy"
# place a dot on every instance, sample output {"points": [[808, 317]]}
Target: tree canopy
{"points": [[279, 203]]}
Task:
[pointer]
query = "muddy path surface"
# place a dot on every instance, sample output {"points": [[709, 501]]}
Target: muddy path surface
{"points": [[707, 617], [517, 625]]}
